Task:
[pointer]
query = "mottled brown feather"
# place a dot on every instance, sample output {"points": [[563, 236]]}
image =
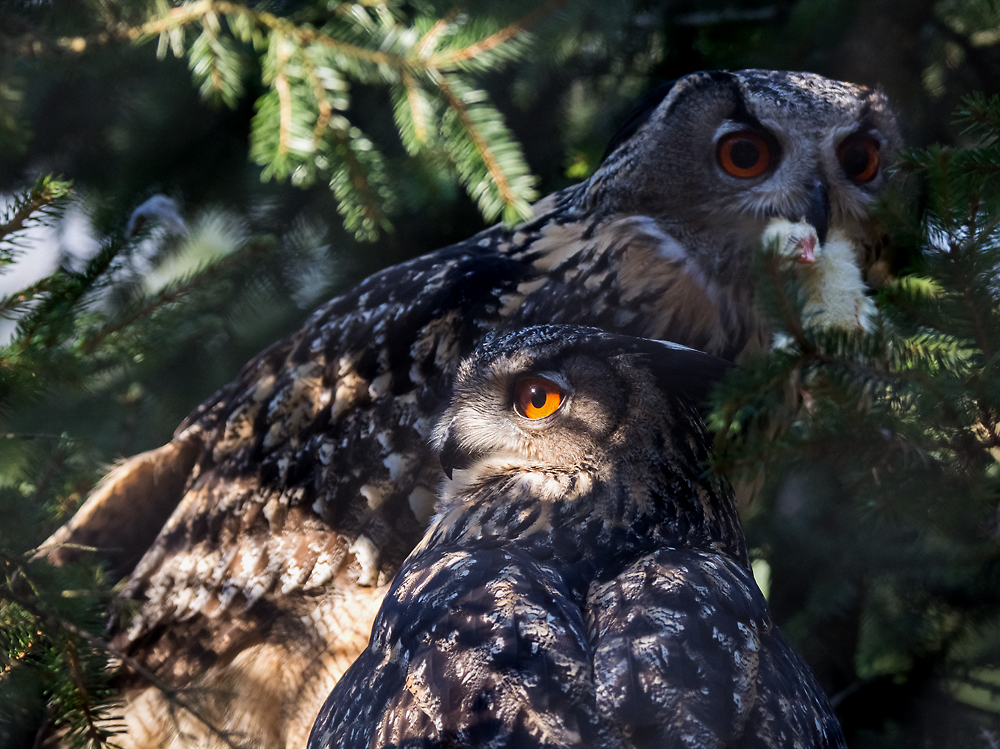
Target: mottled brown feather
{"points": [[296, 491], [587, 584]]}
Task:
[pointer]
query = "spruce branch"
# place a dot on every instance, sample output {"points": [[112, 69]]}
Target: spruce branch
{"points": [[485, 152], [284, 90], [430, 38], [173, 293], [483, 140], [323, 104], [790, 317], [533, 18], [371, 45], [277, 147], [197, 12], [357, 181], [33, 606], [33, 207], [200, 10], [96, 736], [14, 304], [417, 112], [66, 291]]}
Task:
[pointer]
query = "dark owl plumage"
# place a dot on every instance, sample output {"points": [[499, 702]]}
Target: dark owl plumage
{"points": [[585, 585], [266, 531]]}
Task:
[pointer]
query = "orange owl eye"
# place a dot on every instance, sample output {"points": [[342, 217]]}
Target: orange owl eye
{"points": [[858, 156], [744, 154], [536, 397]]}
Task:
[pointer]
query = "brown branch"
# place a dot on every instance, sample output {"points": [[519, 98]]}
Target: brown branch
{"points": [[485, 153], [22, 215], [284, 98], [93, 732], [495, 40], [413, 98]]}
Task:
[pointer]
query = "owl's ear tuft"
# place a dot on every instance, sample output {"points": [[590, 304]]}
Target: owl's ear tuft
{"points": [[687, 372], [638, 115], [644, 108]]}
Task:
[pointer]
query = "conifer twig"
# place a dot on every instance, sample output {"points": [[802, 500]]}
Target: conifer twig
{"points": [[493, 41], [172, 294], [93, 732], [42, 195], [75, 286], [11, 303], [34, 45], [788, 315], [478, 141], [358, 179], [172, 695], [284, 96], [417, 112]]}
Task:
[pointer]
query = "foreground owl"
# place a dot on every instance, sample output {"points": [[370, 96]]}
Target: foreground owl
{"points": [[585, 584], [266, 530]]}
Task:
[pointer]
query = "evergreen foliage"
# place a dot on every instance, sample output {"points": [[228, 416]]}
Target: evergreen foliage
{"points": [[877, 454], [880, 456], [303, 129], [89, 330]]}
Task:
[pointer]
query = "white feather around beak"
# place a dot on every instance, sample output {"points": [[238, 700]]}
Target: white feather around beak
{"points": [[829, 273]]}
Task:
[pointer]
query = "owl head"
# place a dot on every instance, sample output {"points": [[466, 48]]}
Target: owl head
{"points": [[715, 156], [596, 426]]}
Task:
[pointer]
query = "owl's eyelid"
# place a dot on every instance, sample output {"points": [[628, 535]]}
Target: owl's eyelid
{"points": [[871, 134], [729, 127], [557, 377], [840, 135]]}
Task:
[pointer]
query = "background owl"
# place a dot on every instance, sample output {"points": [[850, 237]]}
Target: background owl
{"points": [[265, 532], [585, 583]]}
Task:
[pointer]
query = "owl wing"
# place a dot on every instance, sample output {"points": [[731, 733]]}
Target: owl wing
{"points": [[791, 707], [314, 471], [471, 649], [313, 481], [686, 656], [295, 492]]}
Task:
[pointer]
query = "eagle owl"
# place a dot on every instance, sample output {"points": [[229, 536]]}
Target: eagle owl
{"points": [[585, 583], [260, 540]]}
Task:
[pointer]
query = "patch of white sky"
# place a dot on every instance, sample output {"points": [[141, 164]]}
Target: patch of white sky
{"points": [[168, 251], [44, 246], [41, 248]]}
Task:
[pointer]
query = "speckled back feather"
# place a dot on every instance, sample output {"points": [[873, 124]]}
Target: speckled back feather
{"points": [[309, 479], [593, 596]]}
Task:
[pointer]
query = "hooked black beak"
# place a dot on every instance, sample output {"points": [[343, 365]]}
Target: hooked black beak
{"points": [[453, 456], [818, 210]]}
